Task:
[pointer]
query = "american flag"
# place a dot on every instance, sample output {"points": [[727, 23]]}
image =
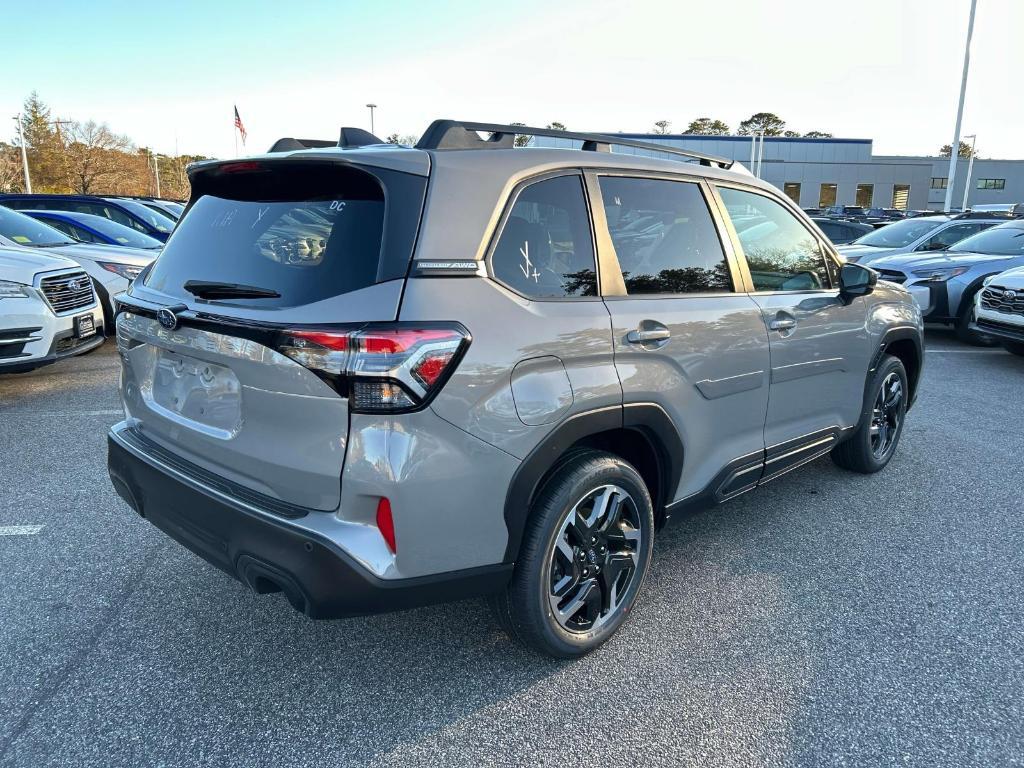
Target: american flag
{"points": [[239, 126]]}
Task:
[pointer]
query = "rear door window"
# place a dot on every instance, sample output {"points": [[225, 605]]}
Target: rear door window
{"points": [[664, 237], [309, 235]]}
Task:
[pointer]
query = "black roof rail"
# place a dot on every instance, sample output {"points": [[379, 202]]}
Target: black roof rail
{"points": [[456, 134], [348, 138], [291, 145]]}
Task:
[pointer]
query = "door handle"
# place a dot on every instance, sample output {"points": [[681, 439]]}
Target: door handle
{"points": [[783, 321], [647, 335]]}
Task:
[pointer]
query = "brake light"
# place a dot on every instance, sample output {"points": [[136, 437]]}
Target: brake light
{"points": [[247, 165], [380, 368]]}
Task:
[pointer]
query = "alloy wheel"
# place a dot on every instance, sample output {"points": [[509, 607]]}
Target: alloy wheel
{"points": [[594, 558], [886, 415]]}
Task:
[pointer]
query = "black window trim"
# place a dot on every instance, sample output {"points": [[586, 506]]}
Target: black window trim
{"points": [[612, 261], [826, 247], [506, 212]]}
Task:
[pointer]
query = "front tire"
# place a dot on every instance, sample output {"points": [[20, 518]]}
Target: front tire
{"points": [[963, 329], [874, 441], [583, 559], [1014, 347]]}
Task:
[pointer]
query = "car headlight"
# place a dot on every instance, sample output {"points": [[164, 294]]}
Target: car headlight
{"points": [[940, 274], [127, 271], [9, 290], [989, 279]]}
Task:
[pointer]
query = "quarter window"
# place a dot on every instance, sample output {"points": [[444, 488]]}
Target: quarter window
{"points": [[664, 237], [782, 254], [545, 250]]}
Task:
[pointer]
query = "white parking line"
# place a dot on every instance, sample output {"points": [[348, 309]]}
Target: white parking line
{"points": [[20, 530], [964, 351], [29, 411]]}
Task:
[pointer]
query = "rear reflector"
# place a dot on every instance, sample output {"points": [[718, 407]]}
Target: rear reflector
{"points": [[386, 524]]}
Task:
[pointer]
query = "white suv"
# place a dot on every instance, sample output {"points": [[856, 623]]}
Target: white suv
{"points": [[48, 310], [999, 309]]}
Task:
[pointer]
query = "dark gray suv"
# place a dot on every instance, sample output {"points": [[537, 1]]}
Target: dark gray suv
{"points": [[372, 377]]}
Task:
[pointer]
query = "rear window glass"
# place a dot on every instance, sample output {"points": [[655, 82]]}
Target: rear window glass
{"points": [[306, 249]]}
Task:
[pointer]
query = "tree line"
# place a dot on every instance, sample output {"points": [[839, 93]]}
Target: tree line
{"points": [[86, 157]]}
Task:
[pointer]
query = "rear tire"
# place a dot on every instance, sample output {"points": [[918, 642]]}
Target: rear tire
{"points": [[1014, 347], [583, 559], [874, 441]]}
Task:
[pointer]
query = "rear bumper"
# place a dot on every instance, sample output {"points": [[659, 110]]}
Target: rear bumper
{"points": [[270, 554]]}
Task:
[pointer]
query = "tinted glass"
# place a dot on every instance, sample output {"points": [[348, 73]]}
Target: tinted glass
{"points": [[306, 249], [119, 233], [545, 249], [900, 233], [157, 221], [1004, 240], [664, 237], [950, 235], [24, 230], [781, 252]]}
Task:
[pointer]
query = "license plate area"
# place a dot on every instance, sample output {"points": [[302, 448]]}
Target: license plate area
{"points": [[85, 326], [196, 393]]}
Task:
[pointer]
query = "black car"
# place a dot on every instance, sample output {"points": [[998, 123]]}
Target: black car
{"points": [[885, 214], [845, 212], [841, 232]]}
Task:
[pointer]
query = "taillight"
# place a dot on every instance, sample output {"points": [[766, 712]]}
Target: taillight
{"points": [[380, 368]]}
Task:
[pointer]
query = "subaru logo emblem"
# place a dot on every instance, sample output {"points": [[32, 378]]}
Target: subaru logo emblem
{"points": [[1009, 295], [76, 284], [167, 319]]}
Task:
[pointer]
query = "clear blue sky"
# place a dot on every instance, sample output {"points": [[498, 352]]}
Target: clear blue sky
{"points": [[165, 72]]}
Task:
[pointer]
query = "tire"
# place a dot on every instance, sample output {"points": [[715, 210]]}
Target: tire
{"points": [[1014, 347], [877, 435], [963, 322], [590, 535]]}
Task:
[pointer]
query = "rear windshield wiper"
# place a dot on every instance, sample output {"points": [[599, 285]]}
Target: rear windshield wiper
{"points": [[210, 290]]}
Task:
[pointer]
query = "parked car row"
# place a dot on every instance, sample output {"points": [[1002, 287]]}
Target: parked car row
{"points": [[62, 260]]}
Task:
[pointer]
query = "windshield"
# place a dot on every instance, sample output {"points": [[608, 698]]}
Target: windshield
{"points": [[119, 233], [24, 230], [158, 221], [999, 241], [899, 234]]}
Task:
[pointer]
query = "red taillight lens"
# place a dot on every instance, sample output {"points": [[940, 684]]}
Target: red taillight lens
{"points": [[386, 524], [380, 368], [246, 165]]}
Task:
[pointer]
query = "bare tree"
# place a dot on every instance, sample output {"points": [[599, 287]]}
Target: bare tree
{"points": [[95, 156], [11, 178], [661, 127]]}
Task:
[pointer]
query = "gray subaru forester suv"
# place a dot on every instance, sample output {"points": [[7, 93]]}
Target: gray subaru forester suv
{"points": [[373, 377]]}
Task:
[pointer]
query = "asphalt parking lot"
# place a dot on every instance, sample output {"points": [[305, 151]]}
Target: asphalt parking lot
{"points": [[829, 619]]}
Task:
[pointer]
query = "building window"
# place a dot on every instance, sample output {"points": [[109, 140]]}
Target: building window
{"points": [[792, 190], [827, 196], [991, 183], [900, 196], [865, 194], [939, 182]]}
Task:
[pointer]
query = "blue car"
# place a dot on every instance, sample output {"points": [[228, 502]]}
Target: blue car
{"points": [[130, 213], [89, 228]]}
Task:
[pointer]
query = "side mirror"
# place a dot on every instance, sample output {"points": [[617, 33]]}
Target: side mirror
{"points": [[856, 280]]}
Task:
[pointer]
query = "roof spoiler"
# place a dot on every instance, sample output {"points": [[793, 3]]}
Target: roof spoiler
{"points": [[456, 134], [349, 138]]}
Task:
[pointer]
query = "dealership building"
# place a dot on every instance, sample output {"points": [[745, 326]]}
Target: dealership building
{"points": [[822, 172]]}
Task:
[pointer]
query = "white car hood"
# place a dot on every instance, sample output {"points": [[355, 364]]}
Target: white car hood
{"points": [[864, 254], [115, 254], [21, 265], [1011, 278]]}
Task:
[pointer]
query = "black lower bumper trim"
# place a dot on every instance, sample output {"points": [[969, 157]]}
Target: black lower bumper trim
{"points": [[999, 330], [269, 555]]}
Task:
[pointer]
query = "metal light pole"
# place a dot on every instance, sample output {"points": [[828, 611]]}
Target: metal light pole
{"points": [[24, 155], [371, 108], [954, 153], [156, 171], [970, 168]]}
